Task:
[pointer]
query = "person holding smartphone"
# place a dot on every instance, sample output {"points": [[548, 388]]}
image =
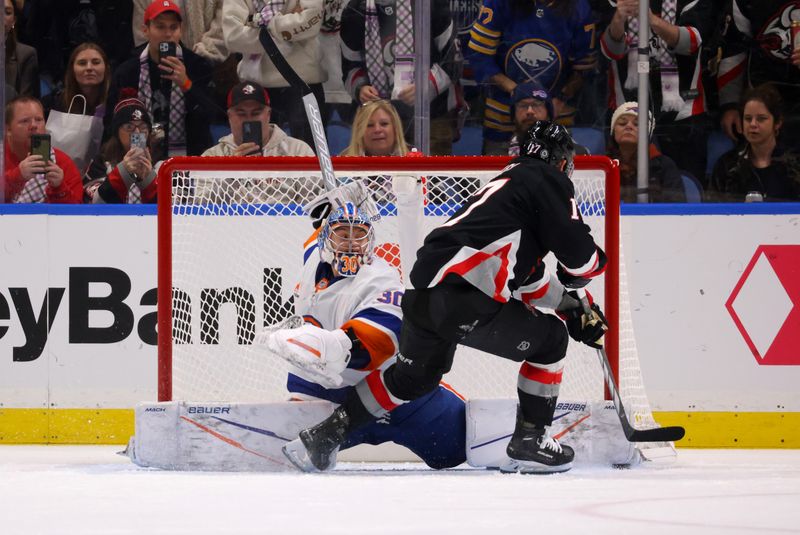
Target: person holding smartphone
{"points": [[124, 172], [252, 134], [172, 83], [35, 171]]}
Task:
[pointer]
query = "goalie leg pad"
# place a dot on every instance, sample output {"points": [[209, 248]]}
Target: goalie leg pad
{"points": [[591, 429]]}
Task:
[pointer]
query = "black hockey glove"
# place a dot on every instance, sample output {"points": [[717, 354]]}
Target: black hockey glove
{"points": [[585, 328], [572, 282]]}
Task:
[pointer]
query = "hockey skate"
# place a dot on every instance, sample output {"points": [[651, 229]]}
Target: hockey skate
{"points": [[533, 451], [316, 447]]}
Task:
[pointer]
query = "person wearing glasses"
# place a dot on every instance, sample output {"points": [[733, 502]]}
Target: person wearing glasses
{"points": [[124, 171]]}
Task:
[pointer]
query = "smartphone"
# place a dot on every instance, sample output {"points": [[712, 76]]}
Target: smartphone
{"points": [[166, 49], [40, 144], [139, 139], [251, 132]]}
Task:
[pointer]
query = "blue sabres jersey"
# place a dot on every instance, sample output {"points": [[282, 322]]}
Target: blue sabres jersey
{"points": [[545, 46]]}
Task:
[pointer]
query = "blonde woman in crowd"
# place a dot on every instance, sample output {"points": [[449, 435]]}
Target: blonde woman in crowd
{"points": [[377, 131]]}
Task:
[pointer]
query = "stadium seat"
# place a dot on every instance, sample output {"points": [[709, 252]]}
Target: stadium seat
{"points": [[470, 143], [592, 138], [218, 131], [717, 145], [692, 187], [45, 87], [338, 137]]}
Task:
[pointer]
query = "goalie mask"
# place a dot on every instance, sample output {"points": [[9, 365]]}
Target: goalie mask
{"points": [[347, 240], [550, 143]]}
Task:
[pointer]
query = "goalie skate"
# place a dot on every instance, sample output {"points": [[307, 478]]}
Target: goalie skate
{"points": [[316, 447]]}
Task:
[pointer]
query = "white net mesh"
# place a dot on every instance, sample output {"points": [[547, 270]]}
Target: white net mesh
{"points": [[237, 249]]}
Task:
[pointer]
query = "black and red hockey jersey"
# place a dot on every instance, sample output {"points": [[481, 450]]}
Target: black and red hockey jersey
{"points": [[757, 48], [496, 241]]}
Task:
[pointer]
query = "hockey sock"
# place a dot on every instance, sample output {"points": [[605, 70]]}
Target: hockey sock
{"points": [[536, 409], [537, 387], [370, 399]]}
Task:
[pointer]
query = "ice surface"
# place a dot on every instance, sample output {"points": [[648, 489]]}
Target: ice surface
{"points": [[90, 490]]}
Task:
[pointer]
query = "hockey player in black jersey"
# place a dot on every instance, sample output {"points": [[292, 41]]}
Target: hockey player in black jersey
{"points": [[479, 280]]}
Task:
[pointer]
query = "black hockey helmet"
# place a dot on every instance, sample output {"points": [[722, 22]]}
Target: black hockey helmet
{"points": [[551, 143]]}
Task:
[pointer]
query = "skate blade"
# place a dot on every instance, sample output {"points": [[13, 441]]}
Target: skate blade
{"points": [[297, 454], [513, 466]]}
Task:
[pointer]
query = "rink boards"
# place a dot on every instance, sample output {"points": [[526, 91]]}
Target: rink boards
{"points": [[713, 292]]}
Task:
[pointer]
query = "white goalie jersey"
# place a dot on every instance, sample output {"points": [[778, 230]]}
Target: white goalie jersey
{"points": [[366, 306]]}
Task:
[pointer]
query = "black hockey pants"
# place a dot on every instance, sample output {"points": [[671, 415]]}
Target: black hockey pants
{"points": [[436, 319]]}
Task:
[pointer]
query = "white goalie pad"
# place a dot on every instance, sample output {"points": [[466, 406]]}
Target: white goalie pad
{"points": [[592, 429], [220, 436]]}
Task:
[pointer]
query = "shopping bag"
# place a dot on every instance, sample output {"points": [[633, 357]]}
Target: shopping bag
{"points": [[76, 134]]}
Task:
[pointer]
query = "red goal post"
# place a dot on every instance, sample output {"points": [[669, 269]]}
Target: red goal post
{"points": [[175, 183]]}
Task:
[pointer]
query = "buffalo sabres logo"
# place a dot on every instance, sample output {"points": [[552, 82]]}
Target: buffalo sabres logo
{"points": [[534, 59], [248, 89], [776, 37]]}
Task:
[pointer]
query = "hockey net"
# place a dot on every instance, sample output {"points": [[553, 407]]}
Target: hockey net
{"points": [[231, 234]]}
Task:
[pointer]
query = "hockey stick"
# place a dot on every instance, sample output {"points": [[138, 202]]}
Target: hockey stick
{"points": [[310, 103], [659, 434]]}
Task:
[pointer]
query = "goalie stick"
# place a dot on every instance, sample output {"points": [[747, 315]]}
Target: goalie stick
{"points": [[309, 102], [659, 434]]}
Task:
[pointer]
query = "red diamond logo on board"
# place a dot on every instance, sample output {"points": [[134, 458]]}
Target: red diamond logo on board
{"points": [[765, 305]]}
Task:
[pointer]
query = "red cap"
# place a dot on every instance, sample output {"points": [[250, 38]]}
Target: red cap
{"points": [[157, 7]]}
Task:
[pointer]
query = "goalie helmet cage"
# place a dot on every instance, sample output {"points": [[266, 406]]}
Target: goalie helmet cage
{"points": [[217, 214]]}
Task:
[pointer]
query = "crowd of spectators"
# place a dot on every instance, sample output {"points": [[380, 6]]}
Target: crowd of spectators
{"points": [[122, 85]]}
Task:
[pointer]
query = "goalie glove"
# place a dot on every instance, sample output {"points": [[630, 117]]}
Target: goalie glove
{"points": [[353, 192], [318, 354], [292, 322], [582, 327]]}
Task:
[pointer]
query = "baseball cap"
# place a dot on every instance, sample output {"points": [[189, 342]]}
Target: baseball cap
{"points": [[157, 7], [247, 91], [533, 89]]}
